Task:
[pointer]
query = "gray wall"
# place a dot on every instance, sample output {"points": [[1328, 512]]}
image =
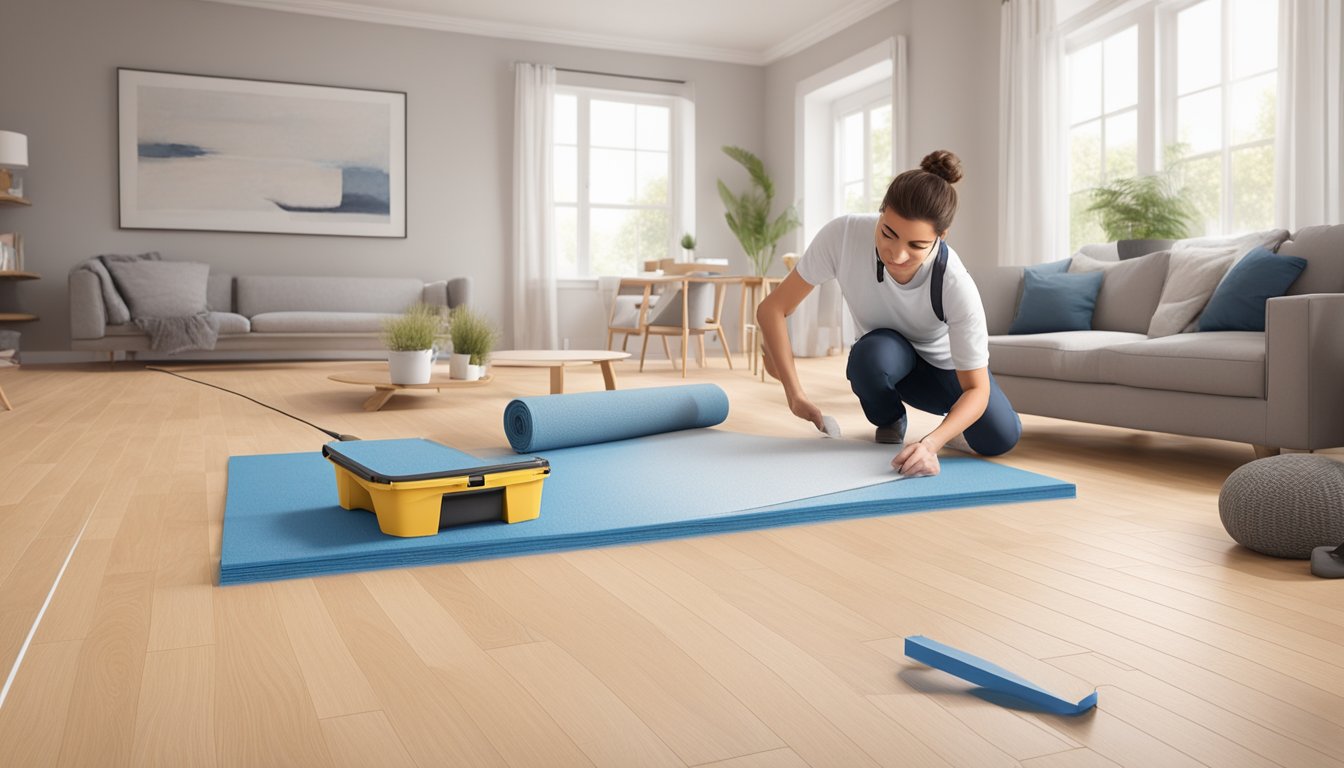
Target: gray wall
{"points": [[952, 54], [58, 85]]}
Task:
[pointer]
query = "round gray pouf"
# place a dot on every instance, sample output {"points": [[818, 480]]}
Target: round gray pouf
{"points": [[1285, 505]]}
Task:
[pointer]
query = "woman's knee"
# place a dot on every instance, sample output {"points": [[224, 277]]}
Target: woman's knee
{"points": [[995, 434], [880, 357]]}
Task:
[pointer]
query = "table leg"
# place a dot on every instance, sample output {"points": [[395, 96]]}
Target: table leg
{"points": [[608, 375], [10, 407], [557, 379], [379, 398]]}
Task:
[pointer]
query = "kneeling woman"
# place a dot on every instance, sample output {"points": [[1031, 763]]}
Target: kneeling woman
{"points": [[922, 325]]}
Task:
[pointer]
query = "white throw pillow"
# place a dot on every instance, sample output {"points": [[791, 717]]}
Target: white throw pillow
{"points": [[1192, 277]]}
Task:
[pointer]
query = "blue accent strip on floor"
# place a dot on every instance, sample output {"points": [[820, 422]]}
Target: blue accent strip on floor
{"points": [[991, 676], [281, 518]]}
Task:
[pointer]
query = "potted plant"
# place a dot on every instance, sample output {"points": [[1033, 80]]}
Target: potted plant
{"points": [[410, 339], [688, 246], [748, 214], [1143, 208], [473, 337]]}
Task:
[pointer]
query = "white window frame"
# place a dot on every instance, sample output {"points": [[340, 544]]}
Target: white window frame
{"points": [[681, 149], [861, 102]]}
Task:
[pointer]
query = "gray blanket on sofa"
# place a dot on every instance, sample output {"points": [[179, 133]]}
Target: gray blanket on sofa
{"points": [[165, 299]]}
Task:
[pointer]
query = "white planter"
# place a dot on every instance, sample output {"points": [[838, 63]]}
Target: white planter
{"points": [[410, 367], [460, 367]]}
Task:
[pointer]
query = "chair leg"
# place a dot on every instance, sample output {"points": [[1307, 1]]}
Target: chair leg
{"points": [[643, 350], [700, 352], [726, 354], [625, 340], [667, 350], [611, 335]]}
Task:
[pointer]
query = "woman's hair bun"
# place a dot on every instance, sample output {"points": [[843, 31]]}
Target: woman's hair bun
{"points": [[943, 164]]}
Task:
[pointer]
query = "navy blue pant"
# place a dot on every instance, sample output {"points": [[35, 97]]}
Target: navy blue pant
{"points": [[886, 372]]}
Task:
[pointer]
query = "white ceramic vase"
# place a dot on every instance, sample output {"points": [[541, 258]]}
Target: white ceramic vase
{"points": [[460, 367], [410, 367]]}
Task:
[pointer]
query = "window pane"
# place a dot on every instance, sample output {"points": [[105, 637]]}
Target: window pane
{"points": [[1254, 43], [1122, 145], [879, 133], [1252, 109], [566, 174], [612, 124], [1084, 227], [611, 251], [1085, 156], [611, 176], [1198, 51], [653, 124], [652, 178], [853, 198], [1085, 83], [567, 240], [1121, 63], [1199, 121], [566, 119], [1253, 188], [1202, 181], [851, 147]]}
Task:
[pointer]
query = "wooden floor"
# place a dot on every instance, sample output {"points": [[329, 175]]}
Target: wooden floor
{"points": [[771, 648]]}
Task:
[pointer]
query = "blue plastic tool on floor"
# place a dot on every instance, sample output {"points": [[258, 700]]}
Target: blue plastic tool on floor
{"points": [[990, 676]]}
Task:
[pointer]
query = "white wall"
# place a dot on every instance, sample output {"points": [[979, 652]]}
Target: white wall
{"points": [[58, 65], [952, 65]]}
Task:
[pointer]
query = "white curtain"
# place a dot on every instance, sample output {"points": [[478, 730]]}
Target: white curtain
{"points": [[1308, 135], [534, 285], [1031, 158]]}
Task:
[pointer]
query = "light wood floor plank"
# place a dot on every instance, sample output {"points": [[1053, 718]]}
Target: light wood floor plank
{"points": [[176, 720], [32, 722], [365, 739], [334, 681]]}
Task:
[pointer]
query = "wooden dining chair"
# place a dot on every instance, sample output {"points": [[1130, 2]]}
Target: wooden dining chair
{"points": [[696, 309]]}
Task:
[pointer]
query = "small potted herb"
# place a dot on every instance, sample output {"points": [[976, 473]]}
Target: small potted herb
{"points": [[410, 339], [473, 338]]}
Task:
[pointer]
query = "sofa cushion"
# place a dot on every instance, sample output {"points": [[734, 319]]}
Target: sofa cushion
{"points": [[1133, 249], [161, 288], [1056, 302], [1231, 363], [219, 293], [1323, 248], [230, 322], [1239, 302], [1129, 291], [1067, 356], [320, 322], [1191, 280], [258, 294]]}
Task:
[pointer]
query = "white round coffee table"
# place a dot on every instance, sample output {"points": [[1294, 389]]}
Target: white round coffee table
{"points": [[557, 359]]}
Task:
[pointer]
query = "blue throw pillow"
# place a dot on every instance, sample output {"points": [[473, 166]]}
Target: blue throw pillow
{"points": [[1056, 301], [1238, 304]]}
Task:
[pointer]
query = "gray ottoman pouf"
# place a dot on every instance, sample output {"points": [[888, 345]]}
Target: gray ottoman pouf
{"points": [[1285, 506]]}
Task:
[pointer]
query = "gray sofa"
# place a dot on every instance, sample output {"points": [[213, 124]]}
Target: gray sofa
{"points": [[262, 313], [1277, 389]]}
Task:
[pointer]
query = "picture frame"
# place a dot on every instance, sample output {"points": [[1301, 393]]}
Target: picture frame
{"points": [[202, 152]]}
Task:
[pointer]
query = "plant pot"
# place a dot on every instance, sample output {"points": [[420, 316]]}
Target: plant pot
{"points": [[460, 367], [412, 367]]}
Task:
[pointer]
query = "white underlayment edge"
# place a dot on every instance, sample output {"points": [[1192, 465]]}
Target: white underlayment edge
{"points": [[18, 660]]}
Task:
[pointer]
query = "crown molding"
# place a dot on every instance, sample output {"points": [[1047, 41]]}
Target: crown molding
{"points": [[445, 23], [854, 12]]}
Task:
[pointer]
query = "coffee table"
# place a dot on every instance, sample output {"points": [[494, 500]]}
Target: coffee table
{"points": [[384, 389], [557, 359]]}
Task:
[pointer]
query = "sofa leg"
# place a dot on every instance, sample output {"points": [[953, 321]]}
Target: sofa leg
{"points": [[1264, 451], [111, 360]]}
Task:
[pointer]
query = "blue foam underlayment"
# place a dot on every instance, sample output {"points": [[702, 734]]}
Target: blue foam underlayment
{"points": [[282, 519]]}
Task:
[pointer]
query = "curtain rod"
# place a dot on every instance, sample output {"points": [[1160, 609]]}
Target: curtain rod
{"points": [[613, 74]]}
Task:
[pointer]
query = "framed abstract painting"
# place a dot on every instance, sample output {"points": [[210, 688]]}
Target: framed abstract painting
{"points": [[226, 154]]}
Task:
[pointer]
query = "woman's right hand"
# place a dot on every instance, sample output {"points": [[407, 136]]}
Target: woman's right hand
{"points": [[807, 411]]}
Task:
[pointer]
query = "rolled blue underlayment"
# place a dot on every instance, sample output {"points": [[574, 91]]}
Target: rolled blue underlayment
{"points": [[988, 675], [547, 422]]}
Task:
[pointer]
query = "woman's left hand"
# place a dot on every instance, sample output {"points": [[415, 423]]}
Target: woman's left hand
{"points": [[916, 460]]}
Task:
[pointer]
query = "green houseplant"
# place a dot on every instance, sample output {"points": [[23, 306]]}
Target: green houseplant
{"points": [[1143, 208], [410, 339], [748, 214], [473, 338], [688, 245]]}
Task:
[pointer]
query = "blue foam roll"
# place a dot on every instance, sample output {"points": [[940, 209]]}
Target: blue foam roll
{"points": [[585, 418]]}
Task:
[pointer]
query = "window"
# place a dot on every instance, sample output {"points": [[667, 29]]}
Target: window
{"points": [[863, 167], [614, 196], [1189, 87]]}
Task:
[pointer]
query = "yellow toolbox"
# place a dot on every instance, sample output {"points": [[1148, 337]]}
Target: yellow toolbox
{"points": [[416, 487]]}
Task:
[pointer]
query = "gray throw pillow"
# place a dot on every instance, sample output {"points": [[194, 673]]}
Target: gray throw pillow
{"points": [[161, 288], [1191, 280], [117, 311], [1130, 290]]}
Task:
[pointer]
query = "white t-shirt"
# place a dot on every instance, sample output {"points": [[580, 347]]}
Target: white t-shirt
{"points": [[843, 250]]}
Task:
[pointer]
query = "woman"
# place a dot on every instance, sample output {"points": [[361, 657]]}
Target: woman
{"points": [[922, 343]]}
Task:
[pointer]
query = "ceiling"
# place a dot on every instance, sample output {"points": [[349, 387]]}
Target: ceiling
{"points": [[738, 31]]}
